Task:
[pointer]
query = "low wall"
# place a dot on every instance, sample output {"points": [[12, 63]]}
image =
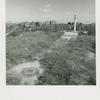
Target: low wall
{"points": [[69, 35]]}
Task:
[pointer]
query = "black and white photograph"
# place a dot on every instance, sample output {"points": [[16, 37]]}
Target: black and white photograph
{"points": [[50, 42], [49, 50]]}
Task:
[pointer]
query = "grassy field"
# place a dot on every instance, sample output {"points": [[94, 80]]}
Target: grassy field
{"points": [[25, 46], [68, 64], [71, 64]]}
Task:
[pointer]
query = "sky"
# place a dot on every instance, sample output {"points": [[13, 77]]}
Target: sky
{"points": [[43, 10]]}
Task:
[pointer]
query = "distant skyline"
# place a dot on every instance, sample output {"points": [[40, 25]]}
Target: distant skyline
{"points": [[43, 10]]}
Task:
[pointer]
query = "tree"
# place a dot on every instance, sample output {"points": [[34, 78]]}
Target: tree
{"points": [[90, 28]]}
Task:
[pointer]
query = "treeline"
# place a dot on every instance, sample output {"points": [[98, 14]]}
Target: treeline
{"points": [[49, 26]]}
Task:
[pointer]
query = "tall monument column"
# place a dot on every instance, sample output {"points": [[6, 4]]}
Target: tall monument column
{"points": [[75, 23]]}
